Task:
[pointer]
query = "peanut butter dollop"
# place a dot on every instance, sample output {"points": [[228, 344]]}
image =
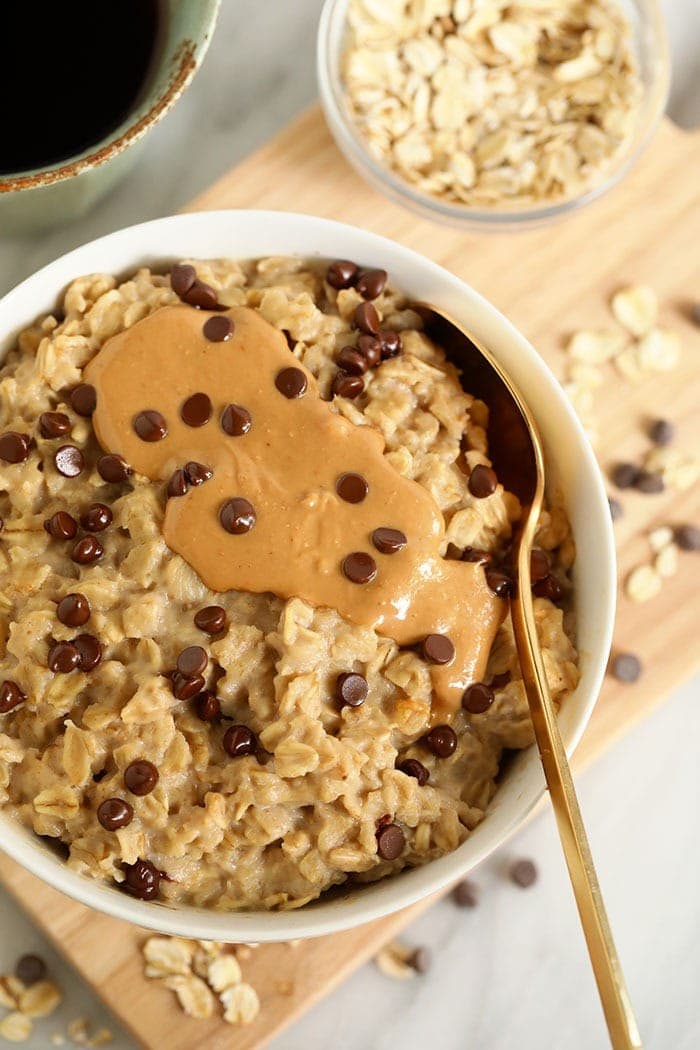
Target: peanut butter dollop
{"points": [[287, 465]]}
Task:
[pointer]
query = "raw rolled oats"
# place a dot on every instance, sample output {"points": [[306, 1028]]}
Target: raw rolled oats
{"points": [[15, 1027], [241, 1004]]}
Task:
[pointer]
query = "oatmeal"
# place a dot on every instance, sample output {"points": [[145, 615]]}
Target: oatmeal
{"points": [[199, 701]]}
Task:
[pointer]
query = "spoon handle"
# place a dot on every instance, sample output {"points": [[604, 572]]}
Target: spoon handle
{"points": [[619, 1016]]}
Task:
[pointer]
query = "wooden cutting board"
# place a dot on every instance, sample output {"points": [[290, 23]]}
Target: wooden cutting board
{"points": [[549, 282]]}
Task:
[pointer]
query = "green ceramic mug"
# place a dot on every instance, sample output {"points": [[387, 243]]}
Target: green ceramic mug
{"points": [[61, 192]]}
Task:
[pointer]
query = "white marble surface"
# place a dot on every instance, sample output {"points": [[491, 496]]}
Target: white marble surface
{"points": [[512, 974]]}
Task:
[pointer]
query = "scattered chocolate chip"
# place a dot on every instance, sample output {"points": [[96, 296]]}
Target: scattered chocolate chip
{"points": [[140, 777], [352, 361], [87, 550], [476, 555], [549, 587], [626, 667], [500, 583], [236, 420], [201, 295], [69, 461], [523, 873], [465, 894], [73, 610], [61, 526], [114, 813], [371, 283], [14, 447], [437, 649], [240, 741], [359, 567], [53, 425], [182, 277], [482, 481], [441, 740], [11, 696], [96, 518], [388, 541], [192, 661], [649, 482], [291, 382], [371, 349], [352, 488], [453, 552], [177, 484], [616, 510], [90, 649], [197, 473], [420, 960], [366, 318], [351, 689], [342, 274], [390, 841], [688, 537], [113, 468], [625, 475], [30, 969], [142, 880], [413, 768], [211, 619], [83, 399], [207, 706], [477, 698], [63, 658], [348, 386], [237, 516], [218, 329], [662, 432], [196, 410], [150, 425], [539, 565], [390, 343], [185, 688]]}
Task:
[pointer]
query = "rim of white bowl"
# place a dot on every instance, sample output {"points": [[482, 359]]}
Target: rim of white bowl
{"points": [[212, 234]]}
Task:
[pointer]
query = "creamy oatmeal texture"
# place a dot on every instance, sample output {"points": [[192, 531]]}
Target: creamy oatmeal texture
{"points": [[235, 749]]}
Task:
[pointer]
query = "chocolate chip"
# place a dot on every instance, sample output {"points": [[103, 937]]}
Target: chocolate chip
{"points": [[477, 698], [649, 482], [211, 619], [539, 565], [465, 894], [366, 318], [413, 768], [69, 461], [197, 473], [359, 567], [140, 777], [63, 658], [185, 688], [114, 813], [142, 880], [352, 361], [352, 488], [482, 481], [351, 689], [662, 432], [549, 587], [477, 556], [371, 283], [73, 610], [87, 550], [14, 447], [688, 537], [453, 552], [207, 706], [342, 273], [61, 526], [240, 741], [53, 425], [390, 343], [182, 277], [11, 696], [291, 382], [626, 667], [90, 649], [500, 583], [523, 873], [388, 541], [196, 410], [177, 485], [96, 518], [30, 969], [236, 420], [150, 425], [441, 740], [438, 649], [348, 386], [390, 841], [625, 475], [237, 516], [371, 349], [192, 661], [218, 329], [420, 960], [113, 469], [616, 510], [201, 295], [83, 399]]}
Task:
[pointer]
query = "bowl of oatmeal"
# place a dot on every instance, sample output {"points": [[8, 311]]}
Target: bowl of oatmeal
{"points": [[257, 673], [492, 114]]}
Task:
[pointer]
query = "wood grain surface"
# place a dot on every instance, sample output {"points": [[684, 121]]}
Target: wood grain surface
{"points": [[549, 281]]}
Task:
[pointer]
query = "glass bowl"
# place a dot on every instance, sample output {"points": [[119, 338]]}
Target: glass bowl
{"points": [[651, 48]]}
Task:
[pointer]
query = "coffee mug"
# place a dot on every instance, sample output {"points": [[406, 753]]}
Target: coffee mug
{"points": [[65, 190]]}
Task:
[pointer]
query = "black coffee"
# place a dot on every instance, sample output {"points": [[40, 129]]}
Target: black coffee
{"points": [[70, 71]]}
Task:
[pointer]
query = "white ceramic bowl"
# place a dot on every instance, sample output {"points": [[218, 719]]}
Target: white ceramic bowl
{"points": [[572, 471]]}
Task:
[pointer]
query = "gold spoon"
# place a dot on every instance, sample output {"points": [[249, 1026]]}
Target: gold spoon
{"points": [[515, 449]]}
